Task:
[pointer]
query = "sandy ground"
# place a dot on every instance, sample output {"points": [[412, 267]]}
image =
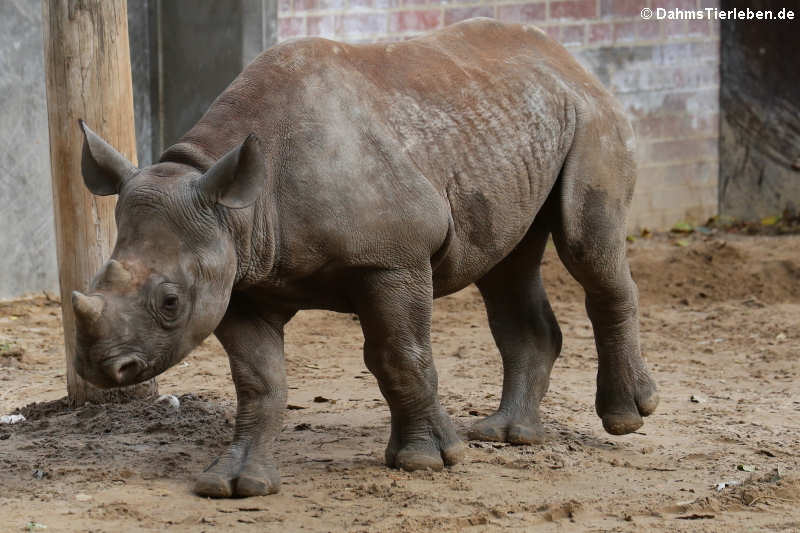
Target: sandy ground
{"points": [[719, 329]]}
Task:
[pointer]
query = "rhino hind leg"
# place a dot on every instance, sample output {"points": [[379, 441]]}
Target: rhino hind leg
{"points": [[589, 230], [394, 308], [527, 334]]}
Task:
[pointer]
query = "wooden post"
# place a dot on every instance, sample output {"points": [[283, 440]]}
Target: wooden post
{"points": [[88, 75]]}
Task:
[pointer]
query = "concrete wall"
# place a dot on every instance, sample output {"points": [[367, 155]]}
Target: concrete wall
{"points": [[27, 240], [197, 48], [664, 72], [174, 79]]}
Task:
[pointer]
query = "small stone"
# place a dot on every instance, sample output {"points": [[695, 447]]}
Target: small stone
{"points": [[696, 398], [11, 419], [170, 400], [81, 497]]}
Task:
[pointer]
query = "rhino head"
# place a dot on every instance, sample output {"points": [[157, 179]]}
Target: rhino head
{"points": [[170, 276]]}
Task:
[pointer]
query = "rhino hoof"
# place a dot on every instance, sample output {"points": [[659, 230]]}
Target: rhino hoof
{"points": [[501, 428], [247, 486], [416, 459], [622, 424], [213, 485]]}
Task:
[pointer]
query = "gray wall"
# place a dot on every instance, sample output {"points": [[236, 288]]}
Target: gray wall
{"points": [[27, 240], [145, 86], [183, 54]]}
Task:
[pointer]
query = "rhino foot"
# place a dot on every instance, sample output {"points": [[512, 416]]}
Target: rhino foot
{"points": [[621, 408], [504, 427], [226, 479], [428, 444]]}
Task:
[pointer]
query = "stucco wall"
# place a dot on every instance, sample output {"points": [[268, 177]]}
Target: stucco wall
{"points": [[666, 73]]}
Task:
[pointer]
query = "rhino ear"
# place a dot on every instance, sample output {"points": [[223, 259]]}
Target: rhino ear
{"points": [[238, 178], [104, 169]]}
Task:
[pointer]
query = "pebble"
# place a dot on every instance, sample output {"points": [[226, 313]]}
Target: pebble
{"points": [[11, 419], [173, 401]]}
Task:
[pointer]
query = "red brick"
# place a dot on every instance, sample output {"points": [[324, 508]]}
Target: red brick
{"points": [[659, 79], [648, 30], [624, 31], [324, 25], [678, 4], [463, 13], [291, 27], [525, 13], [627, 8], [697, 174], [331, 4], [674, 28], [600, 33], [284, 6], [354, 23], [699, 27], [376, 4], [573, 9], [676, 126], [552, 31], [414, 20], [414, 2], [305, 5], [573, 35], [680, 150]]}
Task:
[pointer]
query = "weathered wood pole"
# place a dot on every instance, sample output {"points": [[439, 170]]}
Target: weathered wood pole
{"points": [[88, 76]]}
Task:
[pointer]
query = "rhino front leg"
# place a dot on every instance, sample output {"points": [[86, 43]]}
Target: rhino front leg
{"points": [[254, 343], [395, 312]]}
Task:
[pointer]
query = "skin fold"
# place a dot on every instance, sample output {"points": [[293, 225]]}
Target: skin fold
{"points": [[372, 179]]}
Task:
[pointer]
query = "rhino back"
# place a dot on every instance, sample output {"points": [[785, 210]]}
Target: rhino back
{"points": [[383, 153]]}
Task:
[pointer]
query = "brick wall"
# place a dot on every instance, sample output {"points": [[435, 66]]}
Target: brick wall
{"points": [[666, 74]]}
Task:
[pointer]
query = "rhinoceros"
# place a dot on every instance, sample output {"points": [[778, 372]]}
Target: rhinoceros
{"points": [[371, 179]]}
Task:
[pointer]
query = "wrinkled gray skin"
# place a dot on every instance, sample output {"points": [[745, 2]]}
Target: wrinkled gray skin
{"points": [[371, 179]]}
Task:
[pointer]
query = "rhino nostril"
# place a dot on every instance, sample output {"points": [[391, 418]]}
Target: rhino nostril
{"points": [[124, 369]]}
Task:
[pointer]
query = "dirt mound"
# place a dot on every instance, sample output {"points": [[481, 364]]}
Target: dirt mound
{"points": [[694, 269], [56, 439], [717, 270]]}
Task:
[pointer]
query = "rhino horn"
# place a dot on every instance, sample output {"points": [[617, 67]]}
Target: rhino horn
{"points": [[116, 274], [87, 308]]}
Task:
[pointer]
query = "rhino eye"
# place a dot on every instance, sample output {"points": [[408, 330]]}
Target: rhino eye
{"points": [[170, 303], [166, 304]]}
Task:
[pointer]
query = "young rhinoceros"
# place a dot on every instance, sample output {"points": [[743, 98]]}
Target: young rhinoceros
{"points": [[371, 179]]}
